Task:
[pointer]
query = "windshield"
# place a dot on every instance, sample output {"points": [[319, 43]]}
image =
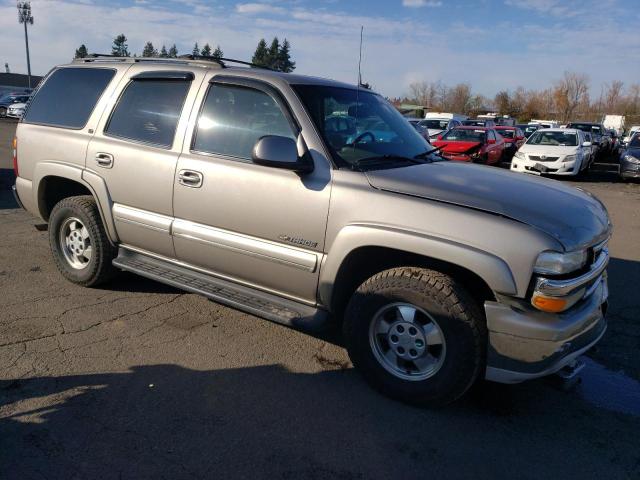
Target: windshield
{"points": [[359, 124], [635, 141], [475, 123], [585, 127], [554, 139], [435, 124], [507, 133], [464, 135]]}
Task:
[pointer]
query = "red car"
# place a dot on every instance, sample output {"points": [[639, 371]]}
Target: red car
{"points": [[472, 144], [513, 138]]}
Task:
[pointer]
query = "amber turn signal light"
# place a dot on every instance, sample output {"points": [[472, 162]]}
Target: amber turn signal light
{"points": [[549, 304]]}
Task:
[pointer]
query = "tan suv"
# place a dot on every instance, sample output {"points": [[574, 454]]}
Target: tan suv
{"points": [[300, 199]]}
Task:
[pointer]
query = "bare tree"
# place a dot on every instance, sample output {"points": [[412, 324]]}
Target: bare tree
{"points": [[459, 98], [569, 93], [613, 95], [502, 102]]}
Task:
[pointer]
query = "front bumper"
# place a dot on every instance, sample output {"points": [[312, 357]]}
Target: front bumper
{"points": [[552, 168], [530, 344]]}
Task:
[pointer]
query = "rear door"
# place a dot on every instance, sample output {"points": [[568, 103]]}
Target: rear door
{"points": [[135, 150], [253, 224]]}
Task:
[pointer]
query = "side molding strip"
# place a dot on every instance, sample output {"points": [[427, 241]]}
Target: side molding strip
{"points": [[266, 250], [143, 218]]}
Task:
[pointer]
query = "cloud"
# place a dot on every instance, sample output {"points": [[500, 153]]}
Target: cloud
{"points": [[257, 8], [398, 49], [421, 3]]}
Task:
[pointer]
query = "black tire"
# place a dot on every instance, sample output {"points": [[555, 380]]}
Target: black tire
{"points": [[98, 268], [3, 112], [457, 314]]}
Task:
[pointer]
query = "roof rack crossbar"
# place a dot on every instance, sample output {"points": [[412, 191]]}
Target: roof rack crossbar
{"points": [[222, 60]]}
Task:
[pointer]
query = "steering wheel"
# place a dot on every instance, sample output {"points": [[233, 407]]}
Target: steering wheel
{"points": [[363, 135]]}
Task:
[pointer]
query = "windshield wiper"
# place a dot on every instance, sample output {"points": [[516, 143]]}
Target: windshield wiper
{"points": [[429, 152], [385, 160]]}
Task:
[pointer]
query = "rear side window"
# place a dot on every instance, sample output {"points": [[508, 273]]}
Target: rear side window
{"points": [[68, 96], [234, 118], [148, 111]]}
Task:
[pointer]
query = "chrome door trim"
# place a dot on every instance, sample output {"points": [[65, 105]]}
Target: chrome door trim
{"points": [[263, 249], [217, 275], [142, 218]]}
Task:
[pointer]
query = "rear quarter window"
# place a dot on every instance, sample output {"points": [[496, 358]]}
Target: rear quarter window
{"points": [[68, 96]]}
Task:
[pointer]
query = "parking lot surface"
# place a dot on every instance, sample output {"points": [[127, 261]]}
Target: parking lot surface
{"points": [[138, 380]]}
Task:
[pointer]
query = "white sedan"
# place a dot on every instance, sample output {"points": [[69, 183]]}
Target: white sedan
{"points": [[553, 151], [16, 110]]}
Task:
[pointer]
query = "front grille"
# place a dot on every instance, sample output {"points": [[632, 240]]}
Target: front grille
{"points": [[541, 159]]}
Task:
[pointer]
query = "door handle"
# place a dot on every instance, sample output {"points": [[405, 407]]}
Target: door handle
{"points": [[104, 159], [190, 178]]}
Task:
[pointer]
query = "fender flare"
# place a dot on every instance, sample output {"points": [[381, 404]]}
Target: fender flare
{"points": [[493, 270], [95, 184]]}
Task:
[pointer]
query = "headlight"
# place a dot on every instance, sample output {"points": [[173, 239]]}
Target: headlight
{"points": [[519, 155], [569, 158], [556, 263], [631, 158]]}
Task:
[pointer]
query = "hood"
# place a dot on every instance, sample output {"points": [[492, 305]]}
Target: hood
{"points": [[548, 150], [573, 217], [458, 147], [633, 151], [434, 131]]}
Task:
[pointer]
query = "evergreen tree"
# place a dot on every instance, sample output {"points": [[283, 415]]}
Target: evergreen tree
{"points": [[260, 55], [149, 50], [81, 52], [120, 47], [217, 53], [273, 55], [285, 64], [196, 50], [206, 50], [163, 52], [173, 51]]}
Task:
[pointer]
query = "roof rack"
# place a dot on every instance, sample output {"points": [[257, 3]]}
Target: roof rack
{"points": [[182, 59], [221, 61]]}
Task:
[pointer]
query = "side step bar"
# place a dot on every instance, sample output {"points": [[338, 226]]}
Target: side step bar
{"points": [[250, 300]]}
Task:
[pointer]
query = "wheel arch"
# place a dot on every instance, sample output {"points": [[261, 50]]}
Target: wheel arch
{"points": [[360, 252], [55, 181]]}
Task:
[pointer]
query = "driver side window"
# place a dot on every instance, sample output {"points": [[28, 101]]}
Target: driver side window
{"points": [[235, 117]]}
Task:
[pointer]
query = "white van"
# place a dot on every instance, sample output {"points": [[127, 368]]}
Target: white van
{"points": [[439, 122]]}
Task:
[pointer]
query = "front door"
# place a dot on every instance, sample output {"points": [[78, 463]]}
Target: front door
{"points": [[253, 224], [136, 148]]}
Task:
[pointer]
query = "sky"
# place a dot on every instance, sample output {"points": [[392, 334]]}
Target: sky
{"points": [[491, 44]]}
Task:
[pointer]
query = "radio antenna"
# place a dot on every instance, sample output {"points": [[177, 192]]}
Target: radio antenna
{"points": [[360, 58]]}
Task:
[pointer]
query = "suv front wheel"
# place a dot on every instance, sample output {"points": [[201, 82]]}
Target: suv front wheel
{"points": [[416, 335], [79, 243]]}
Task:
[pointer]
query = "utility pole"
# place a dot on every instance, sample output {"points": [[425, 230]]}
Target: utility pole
{"points": [[25, 17]]}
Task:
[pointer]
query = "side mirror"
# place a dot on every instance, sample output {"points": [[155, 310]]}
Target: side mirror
{"points": [[280, 152], [586, 144], [491, 141], [520, 137]]}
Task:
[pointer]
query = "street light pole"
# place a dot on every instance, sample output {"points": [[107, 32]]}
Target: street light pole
{"points": [[25, 17]]}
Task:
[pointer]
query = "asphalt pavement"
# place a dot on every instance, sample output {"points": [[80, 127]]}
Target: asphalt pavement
{"points": [[138, 380]]}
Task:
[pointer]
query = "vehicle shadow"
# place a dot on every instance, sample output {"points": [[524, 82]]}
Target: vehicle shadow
{"points": [[168, 421], [7, 179]]}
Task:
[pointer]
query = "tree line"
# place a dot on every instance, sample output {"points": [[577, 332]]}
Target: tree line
{"points": [[566, 99], [276, 57]]}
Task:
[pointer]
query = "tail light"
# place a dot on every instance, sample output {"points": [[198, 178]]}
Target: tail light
{"points": [[15, 155]]}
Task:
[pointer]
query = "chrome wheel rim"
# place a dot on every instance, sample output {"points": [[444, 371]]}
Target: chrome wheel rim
{"points": [[407, 341], [75, 243]]}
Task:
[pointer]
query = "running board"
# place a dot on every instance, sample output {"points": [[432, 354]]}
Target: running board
{"points": [[250, 300]]}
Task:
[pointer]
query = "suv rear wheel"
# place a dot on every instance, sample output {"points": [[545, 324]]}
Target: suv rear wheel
{"points": [[416, 335], [79, 243]]}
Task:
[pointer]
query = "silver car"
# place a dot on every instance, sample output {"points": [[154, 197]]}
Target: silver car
{"points": [[304, 200]]}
